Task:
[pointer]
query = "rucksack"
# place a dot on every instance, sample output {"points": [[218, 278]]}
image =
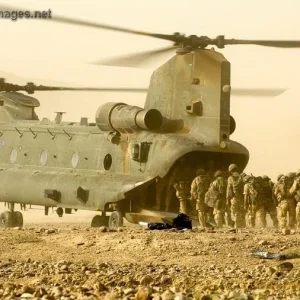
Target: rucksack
{"points": [[182, 221], [238, 187]]}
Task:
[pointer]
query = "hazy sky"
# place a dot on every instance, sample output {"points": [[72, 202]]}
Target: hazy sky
{"points": [[56, 53]]}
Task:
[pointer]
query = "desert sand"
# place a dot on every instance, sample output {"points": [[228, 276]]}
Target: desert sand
{"points": [[64, 258]]}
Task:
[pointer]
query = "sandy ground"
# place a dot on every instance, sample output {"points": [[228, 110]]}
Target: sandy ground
{"points": [[63, 258]]}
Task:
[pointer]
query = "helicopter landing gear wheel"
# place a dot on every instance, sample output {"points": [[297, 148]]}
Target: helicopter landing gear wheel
{"points": [[18, 219], [115, 219], [99, 221], [7, 219], [60, 212]]}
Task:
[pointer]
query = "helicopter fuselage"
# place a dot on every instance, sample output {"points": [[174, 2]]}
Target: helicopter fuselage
{"points": [[116, 162], [78, 166]]}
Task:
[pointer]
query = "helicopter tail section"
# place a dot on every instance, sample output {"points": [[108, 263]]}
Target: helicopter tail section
{"points": [[194, 88]]}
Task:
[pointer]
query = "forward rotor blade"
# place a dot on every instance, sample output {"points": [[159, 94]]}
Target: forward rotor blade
{"points": [[134, 60], [30, 88], [93, 89], [266, 43], [254, 92], [257, 92]]}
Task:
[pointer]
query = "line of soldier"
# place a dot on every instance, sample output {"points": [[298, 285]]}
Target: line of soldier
{"points": [[237, 200]]}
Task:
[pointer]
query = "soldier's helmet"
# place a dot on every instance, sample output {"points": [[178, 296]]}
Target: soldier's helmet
{"points": [[218, 174], [232, 167], [283, 178], [243, 174], [235, 174], [279, 177], [291, 175], [200, 172], [266, 177]]}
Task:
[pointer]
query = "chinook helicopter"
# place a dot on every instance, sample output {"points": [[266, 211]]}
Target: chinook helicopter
{"points": [[124, 163]]}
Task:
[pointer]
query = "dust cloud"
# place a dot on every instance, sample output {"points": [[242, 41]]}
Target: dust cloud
{"points": [[59, 54]]}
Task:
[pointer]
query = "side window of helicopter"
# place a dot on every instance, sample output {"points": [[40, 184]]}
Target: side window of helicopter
{"points": [[107, 162], [13, 155], [75, 159], [44, 157]]}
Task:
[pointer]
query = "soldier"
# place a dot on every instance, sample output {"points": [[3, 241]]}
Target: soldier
{"points": [[295, 192], [286, 202], [183, 193], [260, 208], [228, 220], [253, 202], [234, 196], [270, 205], [198, 189], [216, 198], [274, 188], [210, 172], [248, 186]]}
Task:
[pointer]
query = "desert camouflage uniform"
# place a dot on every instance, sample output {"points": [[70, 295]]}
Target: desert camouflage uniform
{"points": [[295, 192], [182, 192], [234, 196], [216, 198], [253, 202], [198, 189], [228, 219], [270, 205], [274, 188], [210, 175], [261, 204], [248, 190], [286, 204]]}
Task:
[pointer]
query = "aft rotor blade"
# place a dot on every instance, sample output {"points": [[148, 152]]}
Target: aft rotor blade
{"points": [[257, 92], [134, 60], [266, 43], [73, 21]]}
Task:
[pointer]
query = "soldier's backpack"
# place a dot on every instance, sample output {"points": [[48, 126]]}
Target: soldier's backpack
{"points": [[297, 196], [182, 221], [280, 191], [222, 184], [202, 185], [211, 197], [253, 194], [216, 191], [238, 187]]}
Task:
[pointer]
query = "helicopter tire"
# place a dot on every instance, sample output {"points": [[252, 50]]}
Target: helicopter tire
{"points": [[115, 219], [18, 219], [7, 219], [99, 221]]}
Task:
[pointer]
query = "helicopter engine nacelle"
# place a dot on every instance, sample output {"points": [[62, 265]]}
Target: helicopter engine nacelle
{"points": [[126, 118]]}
